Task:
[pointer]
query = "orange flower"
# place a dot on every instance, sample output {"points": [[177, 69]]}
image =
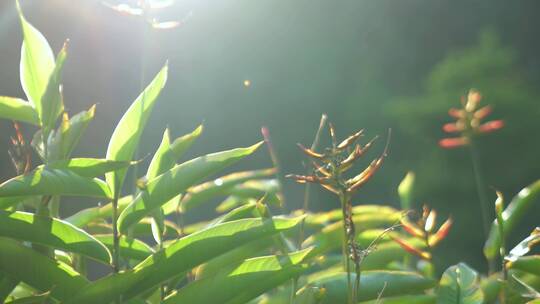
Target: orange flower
{"points": [[469, 121]]}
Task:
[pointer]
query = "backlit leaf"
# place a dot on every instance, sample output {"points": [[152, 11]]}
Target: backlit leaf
{"points": [[127, 133], [177, 180], [18, 109], [51, 232]]}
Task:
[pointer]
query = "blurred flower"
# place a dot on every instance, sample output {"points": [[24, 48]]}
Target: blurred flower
{"points": [[423, 229], [469, 122]]}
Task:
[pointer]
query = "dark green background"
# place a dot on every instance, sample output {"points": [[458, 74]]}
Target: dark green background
{"points": [[368, 64]]}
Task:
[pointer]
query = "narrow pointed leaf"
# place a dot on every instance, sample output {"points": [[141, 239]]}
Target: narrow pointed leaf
{"points": [[37, 63], [245, 282], [129, 248], [85, 216], [89, 167], [18, 109], [143, 230], [251, 190], [51, 232], [530, 264], [38, 271], [52, 103], [234, 257], [324, 218], [54, 182], [127, 133], [330, 237], [38, 299], [168, 153], [512, 215], [199, 194], [67, 136], [459, 285], [416, 299], [202, 246], [177, 180], [405, 190], [104, 290], [180, 145], [162, 160], [394, 283], [178, 257]]}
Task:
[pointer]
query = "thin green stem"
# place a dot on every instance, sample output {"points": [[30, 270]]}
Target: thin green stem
{"points": [[116, 237], [480, 188], [343, 200], [116, 240]]}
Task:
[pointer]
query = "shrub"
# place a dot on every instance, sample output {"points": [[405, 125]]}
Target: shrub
{"points": [[244, 255]]}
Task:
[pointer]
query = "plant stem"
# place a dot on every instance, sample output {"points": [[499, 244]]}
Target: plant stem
{"points": [[116, 237], [116, 240], [344, 201], [480, 188]]}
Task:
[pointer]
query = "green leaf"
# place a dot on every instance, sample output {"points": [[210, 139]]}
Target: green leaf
{"points": [[127, 133], [197, 195], [512, 216], [38, 299], [88, 167], [51, 232], [37, 64], [38, 271], [324, 218], [52, 103], [104, 290], [252, 189], [202, 246], [18, 109], [234, 257], [530, 264], [85, 216], [7, 284], [416, 299], [330, 237], [386, 253], [175, 181], [491, 287], [245, 282], [459, 285], [129, 248], [309, 295], [392, 283], [168, 154], [164, 159], [244, 211], [182, 144], [143, 229], [42, 181], [67, 136], [405, 190], [8, 202]]}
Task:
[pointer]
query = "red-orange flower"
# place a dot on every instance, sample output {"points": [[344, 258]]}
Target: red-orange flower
{"points": [[424, 229], [469, 122]]}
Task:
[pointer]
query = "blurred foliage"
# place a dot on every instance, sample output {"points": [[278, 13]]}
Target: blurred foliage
{"points": [[446, 177]]}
